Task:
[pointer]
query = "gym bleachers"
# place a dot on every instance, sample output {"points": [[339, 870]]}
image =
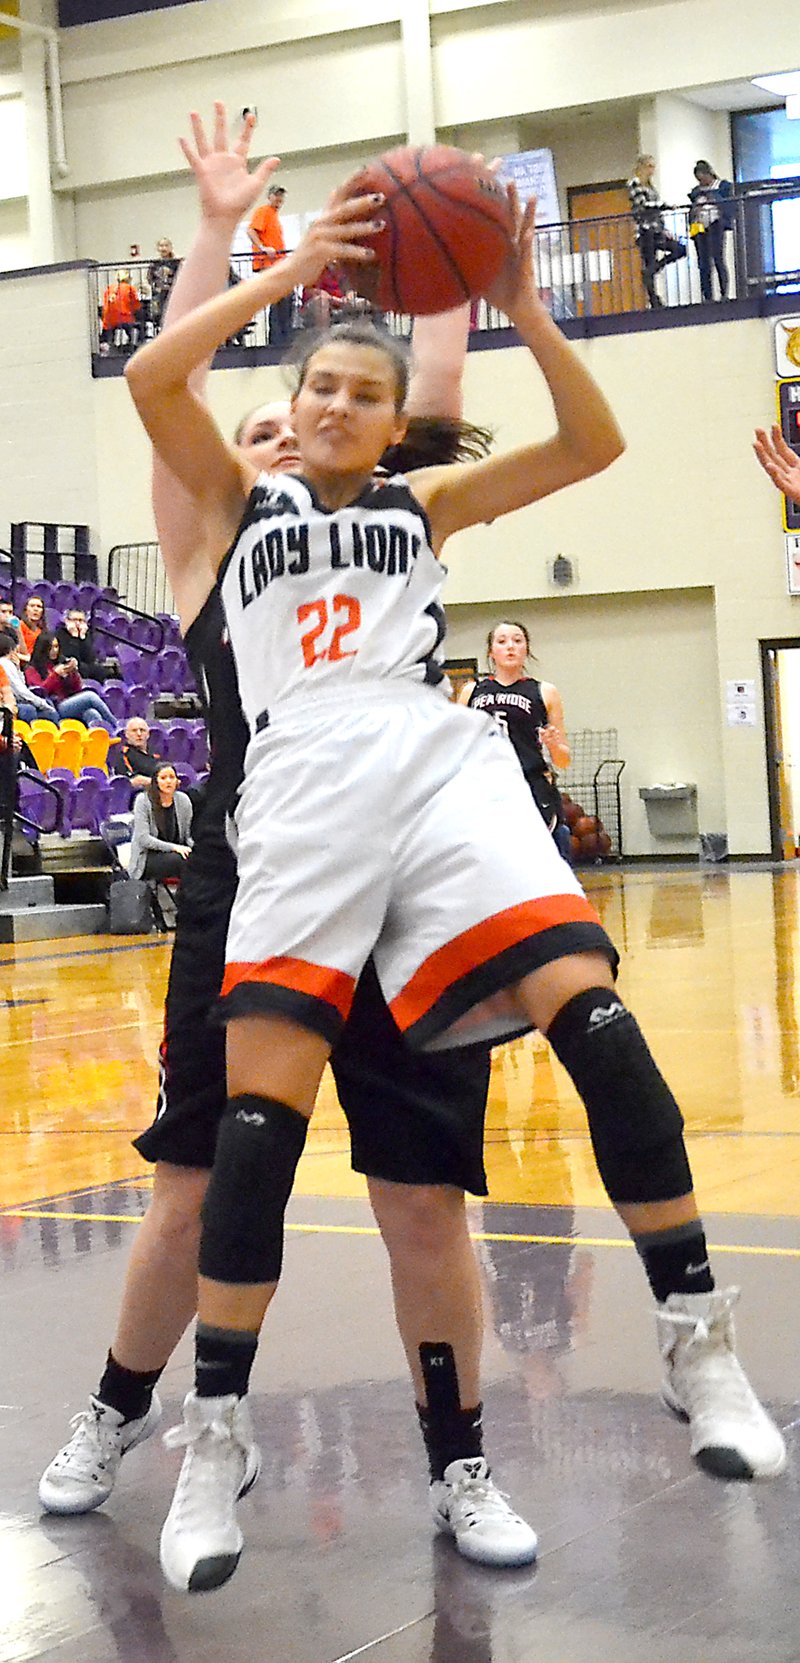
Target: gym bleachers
{"points": [[76, 760]]}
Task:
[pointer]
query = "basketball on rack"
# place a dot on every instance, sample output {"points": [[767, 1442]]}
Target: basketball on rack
{"points": [[447, 232]]}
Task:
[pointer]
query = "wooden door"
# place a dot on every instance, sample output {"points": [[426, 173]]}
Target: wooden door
{"points": [[604, 234]]}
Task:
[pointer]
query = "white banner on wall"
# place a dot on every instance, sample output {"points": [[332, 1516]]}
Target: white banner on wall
{"points": [[534, 174], [787, 346]]}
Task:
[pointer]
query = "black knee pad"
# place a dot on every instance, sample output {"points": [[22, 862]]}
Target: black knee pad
{"points": [[260, 1143], [635, 1124]]}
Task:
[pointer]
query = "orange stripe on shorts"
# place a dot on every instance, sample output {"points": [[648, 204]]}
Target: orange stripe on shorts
{"points": [[318, 980], [479, 945]]}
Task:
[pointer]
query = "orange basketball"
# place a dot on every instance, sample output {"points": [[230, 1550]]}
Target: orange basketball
{"points": [[448, 229], [605, 842], [590, 845], [584, 825]]}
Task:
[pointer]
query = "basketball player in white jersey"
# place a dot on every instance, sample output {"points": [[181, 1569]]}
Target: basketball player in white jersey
{"points": [[434, 1103], [358, 786]]}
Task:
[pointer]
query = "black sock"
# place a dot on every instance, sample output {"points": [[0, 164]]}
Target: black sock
{"points": [[676, 1260], [451, 1437], [223, 1360], [127, 1390], [450, 1432]]}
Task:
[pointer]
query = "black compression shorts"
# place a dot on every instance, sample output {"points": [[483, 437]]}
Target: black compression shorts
{"points": [[414, 1117]]}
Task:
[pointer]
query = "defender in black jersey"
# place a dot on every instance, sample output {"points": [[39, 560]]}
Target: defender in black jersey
{"points": [[528, 712]]}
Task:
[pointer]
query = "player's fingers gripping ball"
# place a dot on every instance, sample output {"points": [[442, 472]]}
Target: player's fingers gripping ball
{"points": [[448, 229]]}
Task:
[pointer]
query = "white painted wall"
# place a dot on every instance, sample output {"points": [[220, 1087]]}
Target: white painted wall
{"points": [[14, 235]]}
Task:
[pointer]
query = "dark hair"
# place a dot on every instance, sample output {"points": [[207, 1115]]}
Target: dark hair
{"points": [[159, 812], [357, 332], [433, 441], [7, 644], [704, 167], [512, 623], [38, 598], [40, 651]]}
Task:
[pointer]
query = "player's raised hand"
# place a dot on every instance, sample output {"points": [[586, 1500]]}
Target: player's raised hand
{"points": [[779, 461], [334, 237], [515, 287], [228, 190]]}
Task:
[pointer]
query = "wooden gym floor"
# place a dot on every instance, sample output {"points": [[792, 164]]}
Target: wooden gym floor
{"points": [[643, 1559]]}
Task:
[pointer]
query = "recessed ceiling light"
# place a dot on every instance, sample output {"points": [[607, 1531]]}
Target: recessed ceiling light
{"points": [[784, 85]]}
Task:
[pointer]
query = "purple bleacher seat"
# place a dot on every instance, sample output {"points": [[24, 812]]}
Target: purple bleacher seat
{"points": [[199, 756], [187, 775], [64, 596], [64, 781], [23, 588], [139, 699], [89, 771], [120, 794], [179, 740], [171, 665], [158, 739], [128, 659], [145, 632], [94, 686], [172, 629], [87, 594], [39, 804], [117, 696], [90, 804]]}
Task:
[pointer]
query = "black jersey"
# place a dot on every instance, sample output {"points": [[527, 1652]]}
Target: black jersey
{"points": [[209, 653], [520, 711]]}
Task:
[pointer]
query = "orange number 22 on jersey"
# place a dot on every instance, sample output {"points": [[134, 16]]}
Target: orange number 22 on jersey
{"points": [[318, 610]]}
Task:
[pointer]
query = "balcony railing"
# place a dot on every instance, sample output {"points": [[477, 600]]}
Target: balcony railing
{"points": [[587, 269]]}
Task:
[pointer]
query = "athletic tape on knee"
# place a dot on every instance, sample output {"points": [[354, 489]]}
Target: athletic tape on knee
{"points": [[260, 1143], [635, 1124]]}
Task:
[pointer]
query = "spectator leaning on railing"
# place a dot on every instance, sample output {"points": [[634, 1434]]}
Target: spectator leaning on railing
{"points": [[266, 235], [657, 248], [160, 277], [713, 209]]}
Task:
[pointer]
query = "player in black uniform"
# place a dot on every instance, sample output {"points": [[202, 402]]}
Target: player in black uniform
{"points": [[531, 715], [416, 1120]]}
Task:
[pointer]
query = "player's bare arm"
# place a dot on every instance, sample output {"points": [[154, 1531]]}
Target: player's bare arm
{"points": [[587, 440], [181, 428], [227, 191]]}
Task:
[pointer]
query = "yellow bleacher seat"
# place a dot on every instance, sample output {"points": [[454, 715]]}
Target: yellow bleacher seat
{"points": [[42, 741], [68, 750], [95, 748]]}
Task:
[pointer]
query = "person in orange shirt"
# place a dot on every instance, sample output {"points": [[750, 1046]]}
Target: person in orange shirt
{"points": [[31, 624], [266, 235], [120, 307]]}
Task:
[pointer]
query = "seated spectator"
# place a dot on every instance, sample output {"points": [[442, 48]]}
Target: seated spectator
{"points": [[30, 705], [134, 758], [9, 622], [76, 626], [31, 623], [120, 312], [161, 276], [162, 828], [56, 678]]}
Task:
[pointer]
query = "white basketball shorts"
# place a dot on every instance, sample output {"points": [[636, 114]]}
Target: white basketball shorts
{"points": [[405, 830]]}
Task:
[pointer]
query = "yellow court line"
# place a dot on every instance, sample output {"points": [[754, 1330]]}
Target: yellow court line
{"points": [[371, 1230]]}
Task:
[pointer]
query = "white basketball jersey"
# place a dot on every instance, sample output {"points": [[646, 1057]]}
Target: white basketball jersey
{"points": [[319, 601]]}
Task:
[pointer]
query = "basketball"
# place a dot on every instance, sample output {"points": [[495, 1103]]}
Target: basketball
{"points": [[572, 811], [589, 845], [448, 229], [604, 842], [585, 825]]}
